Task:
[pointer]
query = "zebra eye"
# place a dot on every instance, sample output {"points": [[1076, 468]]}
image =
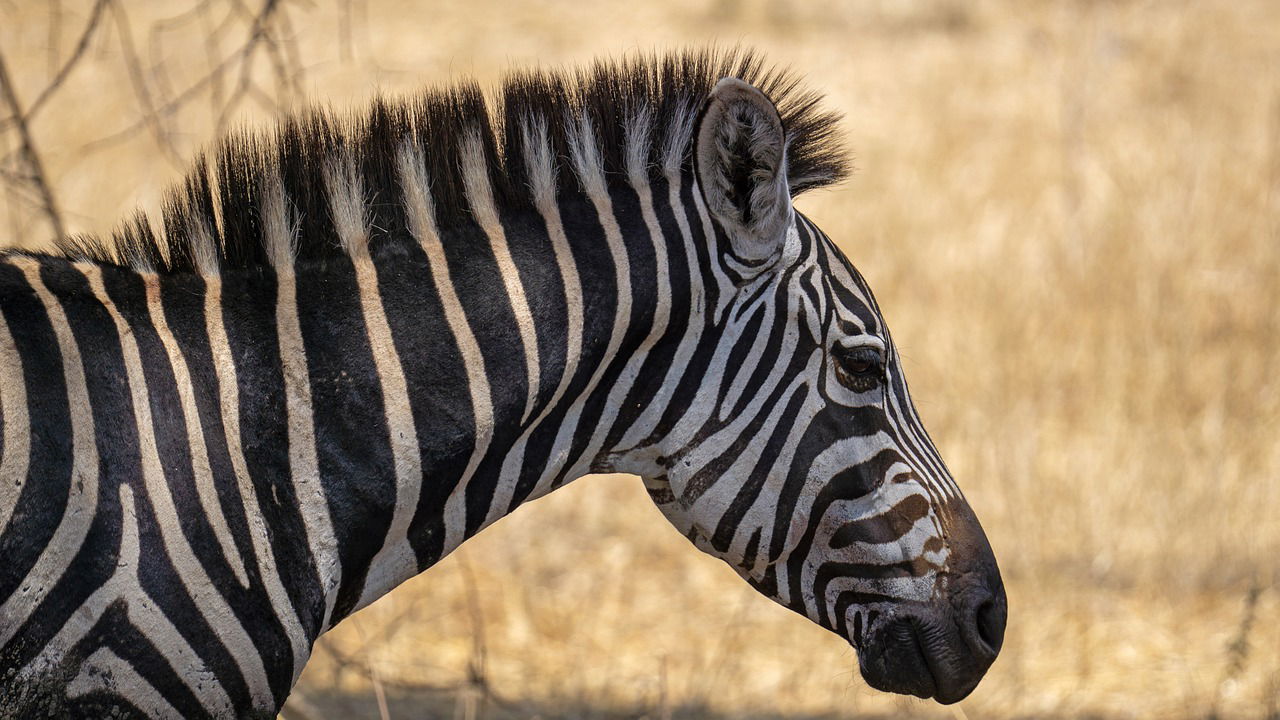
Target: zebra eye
{"points": [[860, 369]]}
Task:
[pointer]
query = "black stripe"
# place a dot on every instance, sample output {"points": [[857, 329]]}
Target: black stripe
{"points": [[755, 481], [828, 426], [474, 273], [756, 366], [658, 366], [704, 351], [638, 261], [711, 473], [127, 291], [436, 381], [183, 301], [849, 598], [640, 264], [115, 632], [888, 526], [353, 443], [264, 435], [118, 461], [45, 489], [535, 260], [596, 272]]}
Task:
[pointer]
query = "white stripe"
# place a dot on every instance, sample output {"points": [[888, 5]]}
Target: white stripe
{"points": [[698, 410], [143, 614], [763, 513], [726, 293], [203, 479], [585, 155], [82, 495], [475, 177], [106, 671], [280, 231], [207, 598], [657, 407], [418, 207], [638, 176], [918, 589], [229, 399], [304, 467], [17, 428], [395, 560], [541, 171], [716, 499]]}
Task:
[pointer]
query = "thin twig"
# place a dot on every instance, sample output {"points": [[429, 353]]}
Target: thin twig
{"points": [[479, 648], [293, 56], [155, 42], [257, 33], [55, 33], [177, 101], [133, 63], [82, 44], [383, 712], [31, 156], [211, 45], [214, 76], [1238, 650], [299, 707]]}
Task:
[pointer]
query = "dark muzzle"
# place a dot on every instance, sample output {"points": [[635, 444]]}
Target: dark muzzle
{"points": [[941, 649]]}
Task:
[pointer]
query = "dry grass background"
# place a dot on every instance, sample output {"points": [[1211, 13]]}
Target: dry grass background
{"points": [[1070, 212]]}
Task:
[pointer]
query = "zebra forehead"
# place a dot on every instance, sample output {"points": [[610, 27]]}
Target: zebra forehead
{"points": [[855, 308], [612, 121]]}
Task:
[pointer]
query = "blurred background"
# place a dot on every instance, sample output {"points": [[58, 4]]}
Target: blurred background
{"points": [[1070, 212]]}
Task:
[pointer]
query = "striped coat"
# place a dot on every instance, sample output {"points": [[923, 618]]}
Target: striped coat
{"points": [[353, 343]]}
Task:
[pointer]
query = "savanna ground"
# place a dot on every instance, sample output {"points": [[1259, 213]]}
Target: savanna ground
{"points": [[1070, 213]]}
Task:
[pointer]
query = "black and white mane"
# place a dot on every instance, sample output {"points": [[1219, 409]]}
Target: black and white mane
{"points": [[650, 102]]}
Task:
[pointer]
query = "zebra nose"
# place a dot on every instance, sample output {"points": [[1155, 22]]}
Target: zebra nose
{"points": [[983, 622]]}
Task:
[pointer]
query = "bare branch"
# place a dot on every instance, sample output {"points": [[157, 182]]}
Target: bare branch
{"points": [[55, 34], [211, 53], [258, 33], [288, 39], [133, 64], [9, 94], [91, 26], [213, 78]]}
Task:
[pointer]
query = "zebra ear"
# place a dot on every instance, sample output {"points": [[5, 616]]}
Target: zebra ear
{"points": [[741, 164]]}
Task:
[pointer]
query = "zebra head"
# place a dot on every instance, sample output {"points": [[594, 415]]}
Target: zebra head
{"points": [[801, 461]]}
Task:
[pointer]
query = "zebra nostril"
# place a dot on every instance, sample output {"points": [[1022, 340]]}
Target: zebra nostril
{"points": [[989, 622]]}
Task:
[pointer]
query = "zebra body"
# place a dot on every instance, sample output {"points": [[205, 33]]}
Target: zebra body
{"points": [[361, 342]]}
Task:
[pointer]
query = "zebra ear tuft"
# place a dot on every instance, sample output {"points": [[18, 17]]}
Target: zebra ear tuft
{"points": [[741, 165]]}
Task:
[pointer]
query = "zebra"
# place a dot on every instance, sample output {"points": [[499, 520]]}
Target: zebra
{"points": [[356, 340]]}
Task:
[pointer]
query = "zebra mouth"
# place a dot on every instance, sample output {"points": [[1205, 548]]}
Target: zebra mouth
{"points": [[922, 655], [897, 661]]}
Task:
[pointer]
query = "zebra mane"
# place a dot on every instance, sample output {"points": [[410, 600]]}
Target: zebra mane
{"points": [[541, 129]]}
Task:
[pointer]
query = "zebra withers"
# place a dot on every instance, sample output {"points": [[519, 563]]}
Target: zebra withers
{"points": [[354, 342]]}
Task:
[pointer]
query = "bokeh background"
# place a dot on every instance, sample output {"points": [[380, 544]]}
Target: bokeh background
{"points": [[1070, 212]]}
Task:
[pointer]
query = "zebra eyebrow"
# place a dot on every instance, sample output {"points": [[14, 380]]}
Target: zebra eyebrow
{"points": [[863, 340]]}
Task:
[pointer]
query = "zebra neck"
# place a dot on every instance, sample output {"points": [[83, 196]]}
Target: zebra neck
{"points": [[483, 367], [325, 432]]}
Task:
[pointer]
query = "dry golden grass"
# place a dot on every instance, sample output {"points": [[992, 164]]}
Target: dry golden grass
{"points": [[1071, 215]]}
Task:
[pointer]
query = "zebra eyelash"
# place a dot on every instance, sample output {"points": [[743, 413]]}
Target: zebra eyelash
{"points": [[860, 369]]}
